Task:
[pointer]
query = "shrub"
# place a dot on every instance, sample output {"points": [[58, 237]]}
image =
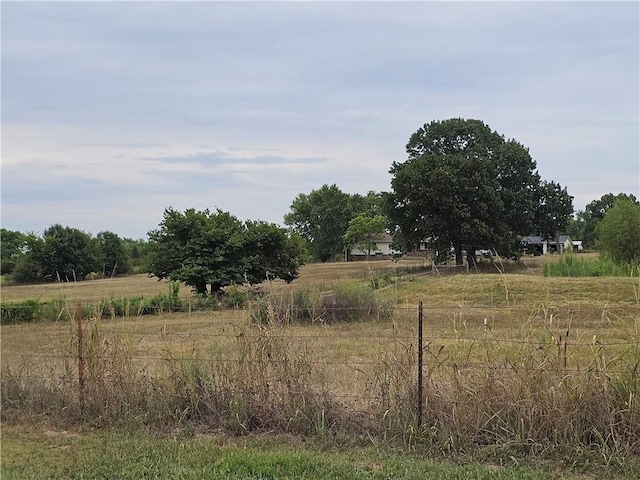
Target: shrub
{"points": [[346, 302], [571, 265], [234, 297], [350, 302], [203, 302], [23, 312]]}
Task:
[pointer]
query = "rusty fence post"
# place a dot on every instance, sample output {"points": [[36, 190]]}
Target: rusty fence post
{"points": [[80, 358], [420, 386]]}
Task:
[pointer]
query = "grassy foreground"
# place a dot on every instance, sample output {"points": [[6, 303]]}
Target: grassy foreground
{"points": [[43, 452], [520, 368]]}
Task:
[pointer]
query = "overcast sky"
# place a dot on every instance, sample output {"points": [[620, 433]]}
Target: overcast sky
{"points": [[113, 111]]}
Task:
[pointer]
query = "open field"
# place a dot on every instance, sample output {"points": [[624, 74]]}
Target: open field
{"points": [[514, 364], [95, 290]]}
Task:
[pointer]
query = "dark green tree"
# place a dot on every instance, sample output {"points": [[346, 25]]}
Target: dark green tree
{"points": [[271, 253], [369, 205], [618, 233], [12, 245], [68, 254], [322, 217], [203, 248], [595, 212], [137, 251], [113, 254], [465, 187], [554, 210], [29, 266]]}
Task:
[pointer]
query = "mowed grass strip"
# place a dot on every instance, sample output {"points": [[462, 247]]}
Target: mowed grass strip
{"points": [[39, 452], [92, 291]]}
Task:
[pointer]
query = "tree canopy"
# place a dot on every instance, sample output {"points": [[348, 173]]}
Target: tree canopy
{"points": [[12, 244], [364, 232], [112, 254], [65, 254], [619, 232], [322, 218], [465, 187], [203, 248], [68, 254], [595, 211]]}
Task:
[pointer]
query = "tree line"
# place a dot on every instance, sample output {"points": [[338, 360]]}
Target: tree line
{"points": [[68, 254], [462, 187]]}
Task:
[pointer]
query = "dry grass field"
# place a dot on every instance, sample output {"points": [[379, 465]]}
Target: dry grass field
{"points": [[514, 361], [458, 310]]}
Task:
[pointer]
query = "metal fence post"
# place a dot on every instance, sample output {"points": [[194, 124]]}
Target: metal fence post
{"points": [[80, 358], [420, 386]]}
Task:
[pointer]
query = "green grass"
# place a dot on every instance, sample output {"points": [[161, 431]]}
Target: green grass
{"points": [[49, 453], [571, 265]]}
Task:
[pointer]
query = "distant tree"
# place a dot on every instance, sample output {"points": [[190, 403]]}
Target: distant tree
{"points": [[202, 249], [29, 266], [364, 232], [271, 253], [554, 210], [68, 254], [137, 251], [576, 226], [465, 187], [113, 254], [12, 245], [595, 212], [618, 232], [322, 217], [370, 205]]}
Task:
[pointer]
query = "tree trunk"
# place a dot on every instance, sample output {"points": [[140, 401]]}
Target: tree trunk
{"points": [[471, 257], [459, 260], [201, 288], [216, 287]]}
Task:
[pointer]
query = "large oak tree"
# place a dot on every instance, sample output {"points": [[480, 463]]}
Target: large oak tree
{"points": [[464, 186]]}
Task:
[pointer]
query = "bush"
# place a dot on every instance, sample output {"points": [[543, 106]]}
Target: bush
{"points": [[350, 302], [571, 265], [23, 312], [234, 297], [203, 302], [346, 302]]}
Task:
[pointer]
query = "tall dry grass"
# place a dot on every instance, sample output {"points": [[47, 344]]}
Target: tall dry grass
{"points": [[540, 395], [513, 364]]}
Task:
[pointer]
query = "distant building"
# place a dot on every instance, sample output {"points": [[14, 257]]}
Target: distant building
{"points": [[383, 249], [536, 245]]}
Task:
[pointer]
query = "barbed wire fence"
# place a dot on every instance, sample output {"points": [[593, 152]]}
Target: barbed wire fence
{"points": [[431, 340]]}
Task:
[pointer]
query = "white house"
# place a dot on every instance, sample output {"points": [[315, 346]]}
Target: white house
{"points": [[383, 248]]}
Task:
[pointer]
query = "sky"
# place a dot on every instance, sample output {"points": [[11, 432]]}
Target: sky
{"points": [[114, 111]]}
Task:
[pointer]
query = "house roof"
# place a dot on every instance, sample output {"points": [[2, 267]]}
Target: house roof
{"points": [[537, 240], [532, 240]]}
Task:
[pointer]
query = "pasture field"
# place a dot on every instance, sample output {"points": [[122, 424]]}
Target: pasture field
{"points": [[516, 366], [142, 284]]}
